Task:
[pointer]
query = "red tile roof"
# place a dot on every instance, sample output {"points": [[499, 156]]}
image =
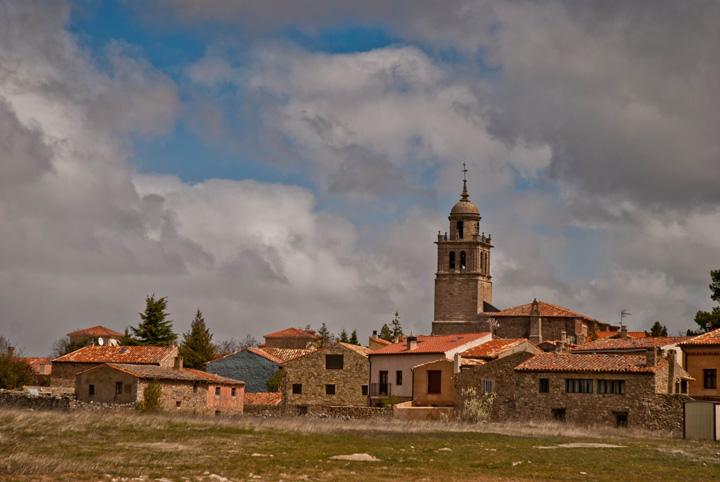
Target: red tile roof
{"points": [[263, 398], [709, 338], [292, 333], [154, 372], [39, 365], [430, 344], [95, 331], [629, 343], [360, 350], [150, 355], [379, 341], [492, 348], [616, 334], [577, 363], [282, 354], [546, 309]]}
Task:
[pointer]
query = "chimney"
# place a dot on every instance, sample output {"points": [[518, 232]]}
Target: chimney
{"points": [[178, 363], [651, 357], [411, 342], [671, 360], [563, 337], [374, 334], [457, 361], [623, 331]]}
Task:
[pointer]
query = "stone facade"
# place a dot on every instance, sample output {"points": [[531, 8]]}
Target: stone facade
{"points": [[310, 376], [516, 396], [244, 365]]}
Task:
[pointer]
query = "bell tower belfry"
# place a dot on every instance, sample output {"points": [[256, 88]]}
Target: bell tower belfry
{"points": [[462, 281]]}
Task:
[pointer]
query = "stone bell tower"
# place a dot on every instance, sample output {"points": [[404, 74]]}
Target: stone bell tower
{"points": [[462, 282]]}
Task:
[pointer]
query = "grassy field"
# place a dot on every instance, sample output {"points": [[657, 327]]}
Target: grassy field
{"points": [[89, 446]]}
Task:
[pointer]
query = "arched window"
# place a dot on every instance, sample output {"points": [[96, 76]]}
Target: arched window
{"points": [[459, 226], [463, 260], [452, 260]]}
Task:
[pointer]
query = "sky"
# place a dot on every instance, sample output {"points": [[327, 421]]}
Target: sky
{"points": [[283, 163]]}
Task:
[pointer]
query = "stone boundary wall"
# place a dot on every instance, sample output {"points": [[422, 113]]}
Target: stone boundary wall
{"points": [[17, 399], [319, 411]]}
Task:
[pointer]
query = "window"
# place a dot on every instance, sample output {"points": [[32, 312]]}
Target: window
{"points": [[118, 388], [621, 419], [364, 389], [233, 392], [558, 414], [710, 378], [333, 362], [683, 386], [487, 385], [297, 389], [398, 377], [544, 385], [330, 389], [217, 413], [451, 265], [459, 226], [463, 260], [384, 386], [217, 391], [91, 390], [178, 403], [616, 387], [434, 381], [578, 385]]}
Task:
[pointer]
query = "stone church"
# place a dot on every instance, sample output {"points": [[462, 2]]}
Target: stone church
{"points": [[464, 290]]}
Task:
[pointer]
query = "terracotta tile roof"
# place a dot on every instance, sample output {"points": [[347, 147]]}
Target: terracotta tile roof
{"points": [[430, 344], [546, 309], [577, 363], [259, 351], [709, 338], [39, 365], [150, 355], [629, 343], [154, 372], [379, 341], [263, 398], [616, 334], [492, 348], [292, 333], [361, 350], [286, 354], [95, 331]]}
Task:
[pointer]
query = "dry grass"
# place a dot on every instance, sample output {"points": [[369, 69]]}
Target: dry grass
{"points": [[93, 446]]}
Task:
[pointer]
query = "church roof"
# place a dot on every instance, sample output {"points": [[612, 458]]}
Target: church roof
{"points": [[465, 207], [545, 309]]}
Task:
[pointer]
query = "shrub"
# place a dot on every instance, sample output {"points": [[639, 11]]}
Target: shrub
{"points": [[476, 407], [14, 373], [151, 398]]}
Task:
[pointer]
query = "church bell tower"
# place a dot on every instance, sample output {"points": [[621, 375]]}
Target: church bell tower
{"points": [[462, 282]]}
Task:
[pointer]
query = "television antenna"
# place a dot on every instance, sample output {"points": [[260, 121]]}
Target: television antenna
{"points": [[624, 314]]}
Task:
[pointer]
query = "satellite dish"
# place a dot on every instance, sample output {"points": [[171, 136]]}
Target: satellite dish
{"points": [[101, 342]]}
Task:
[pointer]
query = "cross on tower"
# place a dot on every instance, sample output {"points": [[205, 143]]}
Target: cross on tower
{"points": [[464, 172], [464, 196]]}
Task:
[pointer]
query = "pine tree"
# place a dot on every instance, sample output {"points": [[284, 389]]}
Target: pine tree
{"points": [[154, 328], [658, 329], [344, 336], [397, 331], [354, 338], [386, 333], [197, 348], [325, 338], [710, 320]]}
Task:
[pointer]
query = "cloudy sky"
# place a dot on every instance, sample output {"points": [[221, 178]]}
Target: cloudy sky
{"points": [[280, 164]]}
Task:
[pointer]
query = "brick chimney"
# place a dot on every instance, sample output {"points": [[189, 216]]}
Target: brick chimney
{"points": [[178, 365], [651, 357], [671, 360], [623, 331], [457, 361], [411, 342]]}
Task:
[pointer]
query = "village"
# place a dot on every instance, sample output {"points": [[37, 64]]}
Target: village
{"points": [[534, 362]]}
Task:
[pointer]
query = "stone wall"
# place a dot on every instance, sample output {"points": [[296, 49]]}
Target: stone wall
{"points": [[517, 397], [460, 296], [459, 327], [310, 372], [103, 380], [253, 369], [20, 399]]}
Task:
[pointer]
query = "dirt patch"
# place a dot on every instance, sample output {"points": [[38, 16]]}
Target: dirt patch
{"points": [[162, 446], [580, 445], [356, 458]]}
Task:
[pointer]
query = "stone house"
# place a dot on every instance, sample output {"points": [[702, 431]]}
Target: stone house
{"points": [[701, 356], [182, 389], [291, 338], [254, 365], [41, 368], [443, 394], [391, 367], [96, 335], [335, 374], [66, 367], [586, 389]]}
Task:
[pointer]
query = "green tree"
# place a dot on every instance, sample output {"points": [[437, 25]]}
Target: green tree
{"points": [[65, 345], [710, 320], [354, 338], [344, 336], [386, 333], [197, 348], [324, 336], [273, 383], [396, 327], [14, 373], [658, 329], [154, 327], [151, 398]]}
